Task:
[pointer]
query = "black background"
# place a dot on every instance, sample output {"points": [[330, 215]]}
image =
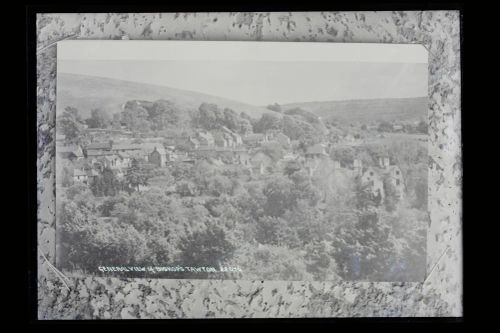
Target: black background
{"points": [[26, 146]]}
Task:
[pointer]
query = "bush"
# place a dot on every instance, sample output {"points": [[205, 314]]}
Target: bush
{"points": [[268, 262], [205, 248]]}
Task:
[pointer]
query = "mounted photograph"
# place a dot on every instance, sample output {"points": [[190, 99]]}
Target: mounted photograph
{"points": [[242, 160]]}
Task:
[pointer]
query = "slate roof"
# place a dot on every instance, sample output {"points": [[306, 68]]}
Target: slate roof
{"points": [[149, 147], [95, 153], [126, 146], [76, 150], [99, 145], [254, 137]]}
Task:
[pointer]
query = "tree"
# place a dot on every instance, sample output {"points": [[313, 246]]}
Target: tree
{"points": [[278, 193], [87, 242], [304, 189], [231, 119], [364, 250], [244, 126], [307, 222], [116, 121], [220, 185], [186, 188], [66, 177], [292, 129], [391, 197], [421, 194], [70, 124], [106, 184], [275, 107], [365, 198], [273, 262], [99, 118], [208, 116], [273, 150], [135, 117], [319, 261], [163, 114], [266, 122], [205, 248], [108, 205], [385, 126], [291, 167], [422, 127], [138, 174]]}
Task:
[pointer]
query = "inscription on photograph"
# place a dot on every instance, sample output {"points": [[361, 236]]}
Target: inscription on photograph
{"points": [[242, 160]]}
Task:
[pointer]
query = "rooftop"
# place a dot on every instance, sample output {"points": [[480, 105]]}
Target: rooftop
{"points": [[77, 150], [126, 146], [94, 153], [99, 145], [253, 137]]}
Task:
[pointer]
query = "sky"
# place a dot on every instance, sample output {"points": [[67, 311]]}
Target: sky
{"points": [[257, 73], [266, 82]]}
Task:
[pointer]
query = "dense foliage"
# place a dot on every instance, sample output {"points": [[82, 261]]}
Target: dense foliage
{"points": [[288, 225]]}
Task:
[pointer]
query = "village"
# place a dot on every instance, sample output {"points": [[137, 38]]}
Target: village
{"points": [[116, 150]]}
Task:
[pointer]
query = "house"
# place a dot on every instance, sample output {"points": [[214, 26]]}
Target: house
{"points": [[395, 177], [91, 175], [192, 143], [96, 149], [278, 136], [391, 173], [125, 147], [126, 159], [71, 152], [255, 139], [372, 178], [243, 158], [222, 139], [80, 176], [205, 138], [99, 146], [98, 153], [233, 155], [235, 137], [129, 156], [357, 166], [384, 162], [283, 139], [316, 151], [153, 152], [117, 161]]}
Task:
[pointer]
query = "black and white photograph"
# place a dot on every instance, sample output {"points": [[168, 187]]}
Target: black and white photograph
{"points": [[291, 161]]}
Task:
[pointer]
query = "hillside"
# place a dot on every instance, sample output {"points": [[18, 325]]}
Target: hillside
{"points": [[367, 110], [88, 92]]}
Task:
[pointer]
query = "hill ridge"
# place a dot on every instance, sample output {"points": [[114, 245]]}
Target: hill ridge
{"points": [[403, 108], [86, 92]]}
